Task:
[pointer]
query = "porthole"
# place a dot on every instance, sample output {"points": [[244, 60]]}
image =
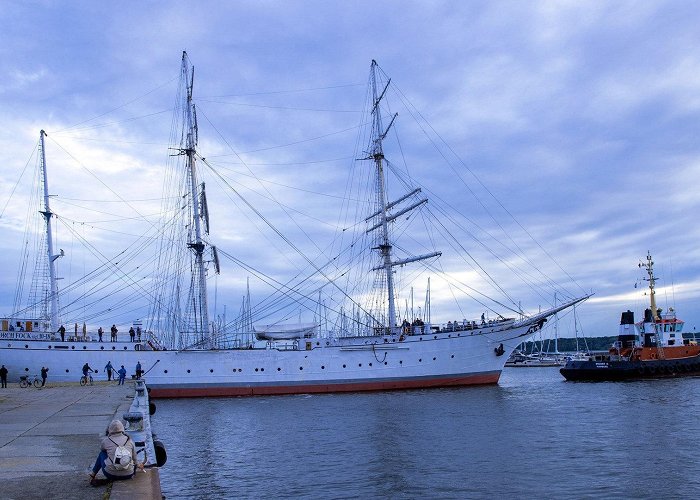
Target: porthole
{"points": [[400, 362], [102, 348], [188, 371], [279, 369], [256, 369], [343, 366], [386, 362], [323, 367], [84, 347], [420, 360], [435, 336], [67, 371], [433, 359], [452, 356], [449, 335], [113, 348], [211, 371], [72, 347], [370, 364], [26, 369], [165, 371], [262, 369], [240, 370], [26, 346], [301, 367], [125, 348], [360, 365]]}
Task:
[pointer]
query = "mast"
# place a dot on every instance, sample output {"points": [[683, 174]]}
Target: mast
{"points": [[649, 266], [49, 238], [199, 280], [377, 154]]}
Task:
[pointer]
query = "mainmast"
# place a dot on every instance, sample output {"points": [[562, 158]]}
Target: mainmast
{"points": [[196, 244], [49, 238]]}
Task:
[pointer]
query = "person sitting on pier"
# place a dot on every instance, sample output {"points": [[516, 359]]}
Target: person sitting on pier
{"points": [[110, 461]]}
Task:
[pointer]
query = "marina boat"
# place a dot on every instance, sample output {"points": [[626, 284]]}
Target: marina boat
{"points": [[520, 360], [652, 348], [359, 340]]}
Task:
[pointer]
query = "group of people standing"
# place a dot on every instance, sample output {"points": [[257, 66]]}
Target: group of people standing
{"points": [[134, 335], [111, 371]]}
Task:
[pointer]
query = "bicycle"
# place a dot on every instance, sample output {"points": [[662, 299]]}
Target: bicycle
{"points": [[86, 380], [25, 382]]}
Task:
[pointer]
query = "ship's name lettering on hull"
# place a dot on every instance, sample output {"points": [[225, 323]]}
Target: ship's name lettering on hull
{"points": [[24, 336]]}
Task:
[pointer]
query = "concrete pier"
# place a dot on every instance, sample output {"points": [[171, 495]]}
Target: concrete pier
{"points": [[50, 438]]}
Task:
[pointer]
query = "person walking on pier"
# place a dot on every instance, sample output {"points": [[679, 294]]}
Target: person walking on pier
{"points": [[122, 375], [3, 376], [114, 460], [108, 369], [44, 374]]}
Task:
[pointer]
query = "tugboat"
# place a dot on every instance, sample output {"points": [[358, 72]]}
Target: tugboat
{"points": [[653, 348]]}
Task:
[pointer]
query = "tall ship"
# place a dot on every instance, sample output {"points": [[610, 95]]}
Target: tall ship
{"points": [[347, 329], [652, 348]]}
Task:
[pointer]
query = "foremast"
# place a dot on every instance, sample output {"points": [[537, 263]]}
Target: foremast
{"points": [[53, 282], [195, 242], [376, 153]]}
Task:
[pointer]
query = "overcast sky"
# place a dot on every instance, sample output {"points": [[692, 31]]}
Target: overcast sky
{"points": [[580, 117]]}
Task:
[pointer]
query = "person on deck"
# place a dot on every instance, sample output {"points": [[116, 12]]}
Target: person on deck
{"points": [[114, 333], [132, 333], [100, 331], [62, 331]]}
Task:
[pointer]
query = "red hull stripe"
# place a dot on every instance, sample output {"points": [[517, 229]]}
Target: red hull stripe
{"points": [[215, 390]]}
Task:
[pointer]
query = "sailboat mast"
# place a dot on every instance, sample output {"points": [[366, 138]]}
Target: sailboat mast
{"points": [[49, 238], [378, 156], [197, 246]]}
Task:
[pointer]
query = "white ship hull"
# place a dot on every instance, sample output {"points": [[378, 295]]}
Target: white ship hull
{"points": [[438, 359]]}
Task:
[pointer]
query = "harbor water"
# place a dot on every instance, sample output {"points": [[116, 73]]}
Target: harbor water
{"points": [[531, 436]]}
